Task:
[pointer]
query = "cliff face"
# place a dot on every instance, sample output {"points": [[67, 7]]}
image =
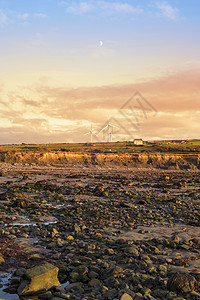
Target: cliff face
{"points": [[158, 160]]}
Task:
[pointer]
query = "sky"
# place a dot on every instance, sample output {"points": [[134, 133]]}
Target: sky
{"points": [[65, 65]]}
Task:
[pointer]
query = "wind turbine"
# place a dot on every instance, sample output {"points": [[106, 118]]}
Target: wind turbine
{"points": [[91, 134], [109, 131]]}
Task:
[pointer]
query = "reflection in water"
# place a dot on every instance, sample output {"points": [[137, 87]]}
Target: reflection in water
{"points": [[4, 279]]}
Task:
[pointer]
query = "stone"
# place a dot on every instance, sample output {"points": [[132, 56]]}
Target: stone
{"points": [[79, 274], [156, 250], [1, 259], [117, 271], [151, 269], [20, 272], [104, 289], [24, 235], [145, 257], [22, 203], [175, 239], [160, 293], [47, 295], [171, 295], [70, 238], [39, 278], [132, 250], [126, 296], [93, 274], [57, 289], [149, 297], [54, 232], [15, 280], [94, 282], [34, 256], [74, 286], [162, 268], [109, 251], [12, 236], [60, 296], [90, 247], [195, 295], [110, 294], [145, 290], [138, 296], [11, 289], [77, 228], [178, 298], [181, 282]]}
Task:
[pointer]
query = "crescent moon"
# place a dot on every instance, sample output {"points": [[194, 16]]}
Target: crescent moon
{"points": [[101, 43]]}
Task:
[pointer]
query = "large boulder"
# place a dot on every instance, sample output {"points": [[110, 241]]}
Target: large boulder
{"points": [[39, 278], [180, 282]]}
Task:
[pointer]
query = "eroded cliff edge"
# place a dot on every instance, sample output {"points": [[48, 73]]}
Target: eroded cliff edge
{"points": [[156, 160]]}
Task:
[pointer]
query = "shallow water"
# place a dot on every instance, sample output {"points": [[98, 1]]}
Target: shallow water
{"points": [[25, 221], [4, 279], [58, 206], [34, 224]]}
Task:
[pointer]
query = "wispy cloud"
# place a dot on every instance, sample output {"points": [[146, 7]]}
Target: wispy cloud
{"points": [[117, 7], [167, 10], [101, 7], [44, 111], [80, 8], [159, 8], [23, 16], [3, 18], [41, 15]]}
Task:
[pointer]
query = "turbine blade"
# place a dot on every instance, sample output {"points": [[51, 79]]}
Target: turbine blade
{"points": [[103, 129], [114, 126]]}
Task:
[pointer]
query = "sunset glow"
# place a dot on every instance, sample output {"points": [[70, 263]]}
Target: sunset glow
{"points": [[67, 64]]}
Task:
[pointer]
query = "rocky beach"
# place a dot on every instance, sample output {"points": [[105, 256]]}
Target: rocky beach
{"points": [[100, 150], [99, 232]]}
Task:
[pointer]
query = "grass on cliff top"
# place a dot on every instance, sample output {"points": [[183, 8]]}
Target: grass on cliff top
{"points": [[192, 147]]}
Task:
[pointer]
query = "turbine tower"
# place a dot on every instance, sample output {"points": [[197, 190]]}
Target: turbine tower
{"points": [[91, 134], [109, 133]]}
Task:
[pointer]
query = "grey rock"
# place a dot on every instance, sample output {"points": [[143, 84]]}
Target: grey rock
{"points": [[47, 295], [93, 274], [73, 286], [132, 250], [181, 282], [138, 296], [94, 282]]}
